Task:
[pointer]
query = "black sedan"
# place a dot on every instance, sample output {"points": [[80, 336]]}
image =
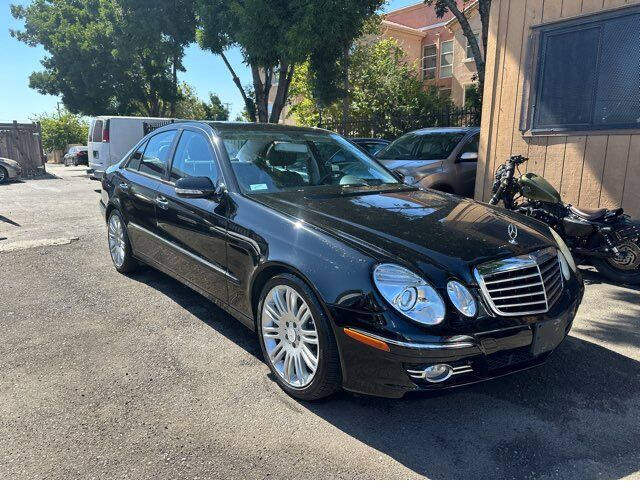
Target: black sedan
{"points": [[349, 277]]}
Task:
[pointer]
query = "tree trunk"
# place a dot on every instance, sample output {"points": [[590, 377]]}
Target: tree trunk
{"points": [[262, 95], [345, 85], [248, 103], [468, 32], [282, 94], [174, 100]]}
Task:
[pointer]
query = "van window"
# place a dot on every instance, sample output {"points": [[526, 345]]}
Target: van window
{"points": [[156, 154], [193, 158], [96, 135]]}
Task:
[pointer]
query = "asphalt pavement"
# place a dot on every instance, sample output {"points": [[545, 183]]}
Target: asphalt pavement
{"points": [[108, 376]]}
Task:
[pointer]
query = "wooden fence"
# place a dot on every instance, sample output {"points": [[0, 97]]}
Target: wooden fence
{"points": [[23, 143]]}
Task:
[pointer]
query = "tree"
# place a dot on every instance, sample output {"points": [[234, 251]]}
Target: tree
{"points": [[484, 8], [277, 36], [384, 91], [109, 56], [58, 131], [191, 107]]}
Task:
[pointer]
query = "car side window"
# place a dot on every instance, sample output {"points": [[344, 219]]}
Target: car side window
{"points": [[136, 157], [471, 145], [193, 158], [156, 154]]}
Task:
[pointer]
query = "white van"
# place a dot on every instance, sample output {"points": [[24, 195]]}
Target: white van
{"points": [[112, 137]]}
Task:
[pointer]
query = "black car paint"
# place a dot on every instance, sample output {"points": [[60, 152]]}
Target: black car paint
{"points": [[226, 248]]}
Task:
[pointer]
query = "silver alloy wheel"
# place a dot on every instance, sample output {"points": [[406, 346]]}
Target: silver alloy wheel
{"points": [[290, 336], [629, 257], [116, 240], [2, 175]]}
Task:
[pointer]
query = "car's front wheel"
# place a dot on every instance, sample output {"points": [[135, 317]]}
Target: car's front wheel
{"points": [[4, 175], [119, 245], [296, 339]]}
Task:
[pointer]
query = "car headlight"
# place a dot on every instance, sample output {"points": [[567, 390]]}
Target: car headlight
{"points": [[462, 299], [409, 294], [566, 253]]}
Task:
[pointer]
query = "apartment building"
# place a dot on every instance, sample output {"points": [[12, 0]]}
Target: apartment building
{"points": [[436, 46]]}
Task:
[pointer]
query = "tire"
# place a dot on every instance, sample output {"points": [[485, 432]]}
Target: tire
{"points": [[288, 337], [620, 275], [119, 245], [4, 175]]}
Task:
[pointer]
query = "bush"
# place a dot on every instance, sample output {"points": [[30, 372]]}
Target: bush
{"points": [[58, 131]]}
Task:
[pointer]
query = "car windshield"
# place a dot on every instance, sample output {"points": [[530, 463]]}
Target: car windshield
{"points": [[279, 161], [422, 146]]}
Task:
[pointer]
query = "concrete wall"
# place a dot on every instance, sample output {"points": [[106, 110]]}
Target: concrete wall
{"points": [[589, 170]]}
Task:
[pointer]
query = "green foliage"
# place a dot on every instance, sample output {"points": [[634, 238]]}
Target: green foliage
{"points": [[108, 56], [58, 131], [275, 36], [191, 107], [383, 88]]}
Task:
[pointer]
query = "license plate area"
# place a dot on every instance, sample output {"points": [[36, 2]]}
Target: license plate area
{"points": [[548, 335]]}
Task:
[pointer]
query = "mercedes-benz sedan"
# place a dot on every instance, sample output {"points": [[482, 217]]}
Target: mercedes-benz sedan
{"points": [[349, 277]]}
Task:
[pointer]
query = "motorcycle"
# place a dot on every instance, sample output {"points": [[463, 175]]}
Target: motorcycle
{"points": [[606, 239]]}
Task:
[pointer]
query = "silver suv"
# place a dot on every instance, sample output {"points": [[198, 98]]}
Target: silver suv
{"points": [[438, 158]]}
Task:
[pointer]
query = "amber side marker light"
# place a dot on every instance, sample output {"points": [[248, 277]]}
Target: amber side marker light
{"points": [[369, 341]]}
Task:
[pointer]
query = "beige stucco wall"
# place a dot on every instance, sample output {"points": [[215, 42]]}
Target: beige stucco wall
{"points": [[463, 70], [589, 170], [409, 42]]}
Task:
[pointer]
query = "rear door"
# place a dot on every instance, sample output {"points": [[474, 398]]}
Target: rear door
{"points": [[137, 189], [194, 229]]}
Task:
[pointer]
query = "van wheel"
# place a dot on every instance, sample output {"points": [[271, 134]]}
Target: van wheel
{"points": [[119, 245]]}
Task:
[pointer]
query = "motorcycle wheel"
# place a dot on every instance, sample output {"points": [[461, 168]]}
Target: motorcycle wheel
{"points": [[624, 269]]}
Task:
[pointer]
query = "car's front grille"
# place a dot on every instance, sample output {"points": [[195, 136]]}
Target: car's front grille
{"points": [[528, 284]]}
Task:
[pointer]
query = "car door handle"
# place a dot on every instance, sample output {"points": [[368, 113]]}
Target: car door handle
{"points": [[162, 202]]}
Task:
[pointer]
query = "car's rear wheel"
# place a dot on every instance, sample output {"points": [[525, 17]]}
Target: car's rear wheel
{"points": [[4, 175], [119, 245], [296, 339]]}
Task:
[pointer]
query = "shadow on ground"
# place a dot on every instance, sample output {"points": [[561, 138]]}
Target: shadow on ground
{"points": [[578, 416]]}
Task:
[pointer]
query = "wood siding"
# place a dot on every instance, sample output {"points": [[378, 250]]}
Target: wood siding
{"points": [[23, 143], [588, 170]]}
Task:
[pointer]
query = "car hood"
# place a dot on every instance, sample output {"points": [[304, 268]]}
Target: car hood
{"points": [[425, 228], [9, 162], [409, 164]]}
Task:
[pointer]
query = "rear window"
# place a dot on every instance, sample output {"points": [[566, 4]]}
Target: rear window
{"points": [[96, 134]]}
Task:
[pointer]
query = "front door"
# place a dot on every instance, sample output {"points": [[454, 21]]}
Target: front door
{"points": [[194, 229], [137, 188]]}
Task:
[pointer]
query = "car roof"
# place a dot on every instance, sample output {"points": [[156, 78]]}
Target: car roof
{"points": [[246, 126], [369, 139], [446, 130]]}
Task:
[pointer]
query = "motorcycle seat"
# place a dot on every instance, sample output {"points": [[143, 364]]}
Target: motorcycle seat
{"points": [[588, 214]]}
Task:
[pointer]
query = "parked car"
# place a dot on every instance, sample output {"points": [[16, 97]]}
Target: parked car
{"points": [[9, 169], [444, 159], [349, 277], [77, 155], [371, 146], [110, 138]]}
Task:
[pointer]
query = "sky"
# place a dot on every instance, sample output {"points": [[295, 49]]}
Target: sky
{"points": [[205, 71]]}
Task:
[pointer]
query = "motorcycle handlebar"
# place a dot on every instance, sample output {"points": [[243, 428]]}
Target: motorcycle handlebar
{"points": [[518, 159]]}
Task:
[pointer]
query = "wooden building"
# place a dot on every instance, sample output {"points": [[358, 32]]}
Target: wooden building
{"points": [[562, 87]]}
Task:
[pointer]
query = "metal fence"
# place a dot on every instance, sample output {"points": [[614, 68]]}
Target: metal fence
{"points": [[390, 126]]}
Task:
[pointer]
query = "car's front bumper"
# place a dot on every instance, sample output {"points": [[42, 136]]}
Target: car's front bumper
{"points": [[474, 357]]}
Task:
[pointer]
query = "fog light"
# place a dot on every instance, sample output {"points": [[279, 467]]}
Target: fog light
{"points": [[438, 373]]}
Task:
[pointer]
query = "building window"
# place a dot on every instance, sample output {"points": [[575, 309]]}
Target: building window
{"points": [[446, 59], [584, 74], [468, 47], [467, 90], [429, 59]]}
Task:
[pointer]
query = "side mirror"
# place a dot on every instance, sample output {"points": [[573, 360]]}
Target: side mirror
{"points": [[469, 156], [198, 188]]}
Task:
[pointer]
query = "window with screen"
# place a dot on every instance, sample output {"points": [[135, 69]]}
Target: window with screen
{"points": [[446, 59], [193, 158], [584, 74], [429, 59], [468, 49], [156, 154]]}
